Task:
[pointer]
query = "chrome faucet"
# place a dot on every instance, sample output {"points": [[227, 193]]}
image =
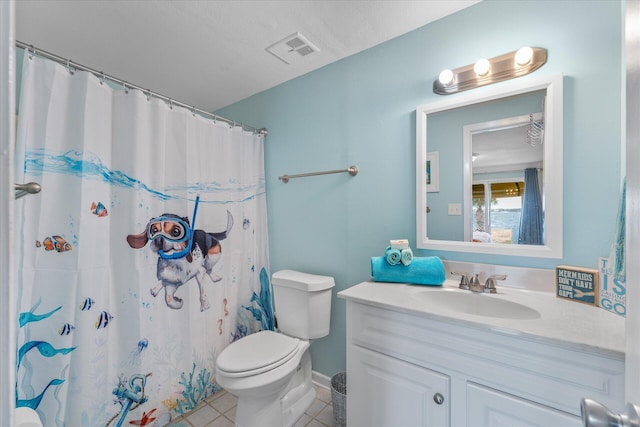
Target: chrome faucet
{"points": [[475, 285]]}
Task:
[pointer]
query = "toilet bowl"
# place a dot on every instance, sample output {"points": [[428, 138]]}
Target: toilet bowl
{"points": [[270, 372]]}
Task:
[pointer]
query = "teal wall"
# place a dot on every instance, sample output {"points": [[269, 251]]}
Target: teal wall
{"points": [[361, 110]]}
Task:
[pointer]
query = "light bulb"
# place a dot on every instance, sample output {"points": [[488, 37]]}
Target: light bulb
{"points": [[524, 55], [482, 67], [446, 77]]}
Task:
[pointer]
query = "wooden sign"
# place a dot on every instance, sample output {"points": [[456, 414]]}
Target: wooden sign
{"points": [[577, 284]]}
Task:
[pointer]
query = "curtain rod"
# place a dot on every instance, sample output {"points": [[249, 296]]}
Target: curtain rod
{"points": [[126, 85]]}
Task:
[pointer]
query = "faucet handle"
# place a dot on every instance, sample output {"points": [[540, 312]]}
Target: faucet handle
{"points": [[490, 283], [464, 280]]}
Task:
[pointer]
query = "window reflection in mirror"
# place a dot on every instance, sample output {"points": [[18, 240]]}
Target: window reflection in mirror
{"points": [[497, 211]]}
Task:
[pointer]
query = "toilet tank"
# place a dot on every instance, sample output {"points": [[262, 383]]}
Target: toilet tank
{"points": [[303, 303]]}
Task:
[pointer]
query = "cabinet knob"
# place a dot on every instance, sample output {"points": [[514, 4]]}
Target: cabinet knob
{"points": [[438, 398]]}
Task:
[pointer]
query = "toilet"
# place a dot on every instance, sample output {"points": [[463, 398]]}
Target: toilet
{"points": [[270, 372]]}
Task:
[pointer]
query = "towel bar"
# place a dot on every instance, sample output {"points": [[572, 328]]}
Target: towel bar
{"points": [[353, 171]]}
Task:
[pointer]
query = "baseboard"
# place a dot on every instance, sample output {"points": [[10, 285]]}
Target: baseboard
{"points": [[321, 380]]}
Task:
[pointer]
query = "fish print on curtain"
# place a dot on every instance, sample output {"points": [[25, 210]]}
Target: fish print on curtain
{"points": [[144, 255]]}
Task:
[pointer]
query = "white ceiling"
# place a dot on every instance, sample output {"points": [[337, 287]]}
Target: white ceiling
{"points": [[505, 150], [210, 54]]}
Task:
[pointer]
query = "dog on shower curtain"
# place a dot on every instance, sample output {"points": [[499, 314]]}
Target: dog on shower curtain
{"points": [[183, 254]]}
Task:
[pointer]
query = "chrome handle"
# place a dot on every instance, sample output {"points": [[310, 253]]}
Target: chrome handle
{"points": [[594, 414], [490, 283], [438, 398], [28, 188], [464, 280]]}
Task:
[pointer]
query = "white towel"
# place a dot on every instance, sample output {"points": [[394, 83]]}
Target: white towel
{"points": [[399, 244]]}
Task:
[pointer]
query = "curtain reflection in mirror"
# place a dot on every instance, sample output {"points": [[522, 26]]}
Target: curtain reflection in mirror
{"points": [[531, 221]]}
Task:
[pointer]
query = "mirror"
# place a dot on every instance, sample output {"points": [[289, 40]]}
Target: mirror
{"points": [[449, 216]]}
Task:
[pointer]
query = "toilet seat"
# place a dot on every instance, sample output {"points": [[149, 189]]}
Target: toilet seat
{"points": [[256, 353]]}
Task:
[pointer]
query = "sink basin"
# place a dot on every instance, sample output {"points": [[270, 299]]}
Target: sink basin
{"points": [[478, 304]]}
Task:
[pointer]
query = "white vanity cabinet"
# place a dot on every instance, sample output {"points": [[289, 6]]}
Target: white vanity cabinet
{"points": [[489, 407], [385, 391], [408, 369]]}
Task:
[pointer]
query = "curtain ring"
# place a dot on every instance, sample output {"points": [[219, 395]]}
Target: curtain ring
{"points": [[148, 92], [102, 77], [171, 103], [193, 111], [31, 51], [69, 67], [124, 85]]}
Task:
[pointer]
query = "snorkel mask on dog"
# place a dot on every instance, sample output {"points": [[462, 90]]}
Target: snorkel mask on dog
{"points": [[173, 229]]}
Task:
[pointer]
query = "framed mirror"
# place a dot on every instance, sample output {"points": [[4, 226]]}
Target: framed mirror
{"points": [[496, 156]]}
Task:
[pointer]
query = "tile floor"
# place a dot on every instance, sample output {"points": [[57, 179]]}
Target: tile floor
{"points": [[219, 410]]}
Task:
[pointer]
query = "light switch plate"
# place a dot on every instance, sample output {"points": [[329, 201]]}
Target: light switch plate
{"points": [[455, 209]]}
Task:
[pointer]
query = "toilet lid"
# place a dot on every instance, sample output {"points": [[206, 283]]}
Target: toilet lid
{"points": [[255, 351]]}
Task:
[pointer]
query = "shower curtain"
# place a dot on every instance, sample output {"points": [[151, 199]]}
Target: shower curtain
{"points": [[144, 255]]}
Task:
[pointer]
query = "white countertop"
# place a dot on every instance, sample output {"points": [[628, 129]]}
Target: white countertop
{"points": [[564, 322]]}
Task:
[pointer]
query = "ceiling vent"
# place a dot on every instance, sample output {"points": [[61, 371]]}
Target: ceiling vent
{"points": [[291, 49]]}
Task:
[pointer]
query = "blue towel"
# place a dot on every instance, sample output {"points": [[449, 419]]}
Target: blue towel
{"points": [[406, 256], [421, 271], [393, 256]]}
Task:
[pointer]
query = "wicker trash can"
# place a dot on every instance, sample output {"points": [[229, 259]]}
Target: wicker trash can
{"points": [[339, 398]]}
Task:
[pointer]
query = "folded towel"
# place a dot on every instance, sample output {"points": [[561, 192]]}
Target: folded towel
{"points": [[393, 256], [421, 271], [406, 256]]}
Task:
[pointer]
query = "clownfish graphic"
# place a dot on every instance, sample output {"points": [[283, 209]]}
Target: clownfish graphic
{"points": [[99, 209], [87, 304], [103, 320], [66, 329], [56, 243]]}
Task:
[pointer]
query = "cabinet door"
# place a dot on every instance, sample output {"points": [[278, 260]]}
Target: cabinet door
{"points": [[491, 408], [387, 392]]}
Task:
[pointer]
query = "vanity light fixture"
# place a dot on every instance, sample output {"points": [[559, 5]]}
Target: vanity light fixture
{"points": [[493, 70]]}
